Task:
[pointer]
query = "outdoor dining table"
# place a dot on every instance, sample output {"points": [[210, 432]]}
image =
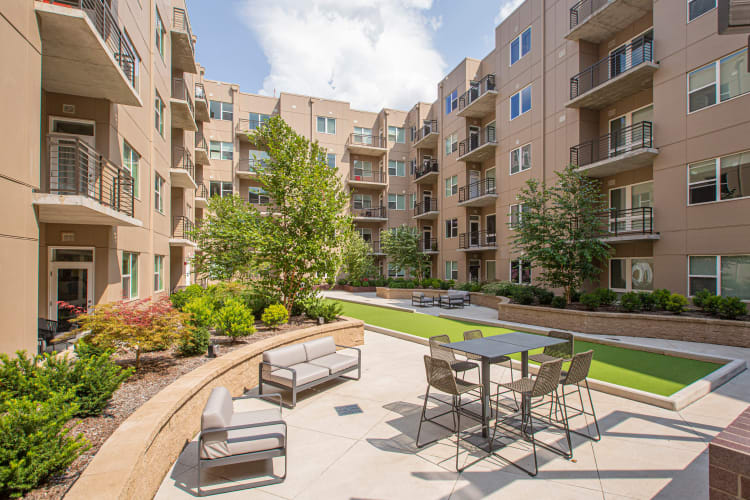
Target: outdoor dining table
{"points": [[491, 349]]}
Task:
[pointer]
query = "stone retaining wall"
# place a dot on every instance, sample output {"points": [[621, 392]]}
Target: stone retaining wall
{"points": [[134, 460], [729, 461]]}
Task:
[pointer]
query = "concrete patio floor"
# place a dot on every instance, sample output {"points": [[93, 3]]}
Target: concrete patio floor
{"points": [[645, 452]]}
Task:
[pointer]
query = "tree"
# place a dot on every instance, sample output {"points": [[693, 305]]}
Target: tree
{"points": [[357, 261], [560, 227], [401, 245], [290, 246]]}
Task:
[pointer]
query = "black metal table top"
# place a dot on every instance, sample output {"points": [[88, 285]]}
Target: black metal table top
{"points": [[497, 346]]}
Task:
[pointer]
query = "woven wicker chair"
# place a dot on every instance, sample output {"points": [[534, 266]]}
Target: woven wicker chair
{"points": [[545, 383], [559, 351], [440, 376], [477, 334], [439, 351], [576, 375]]}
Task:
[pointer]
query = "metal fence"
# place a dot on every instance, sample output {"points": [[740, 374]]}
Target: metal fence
{"points": [[180, 91], [476, 90], [428, 244], [182, 159], [182, 228], [475, 141], [374, 141], [583, 9], [430, 205], [425, 168], [477, 239], [429, 127], [477, 189], [632, 138], [373, 212], [181, 22]]}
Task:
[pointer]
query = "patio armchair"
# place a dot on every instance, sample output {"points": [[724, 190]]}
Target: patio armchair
{"points": [[576, 375], [454, 298], [228, 437], [559, 351], [419, 299]]}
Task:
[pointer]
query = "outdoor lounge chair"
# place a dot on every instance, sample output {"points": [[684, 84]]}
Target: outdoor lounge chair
{"points": [[419, 299], [454, 298], [559, 351], [228, 437]]}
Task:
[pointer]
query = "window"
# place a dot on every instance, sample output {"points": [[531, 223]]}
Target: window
{"points": [[129, 275], [631, 274], [732, 173], [221, 189], [257, 196], [362, 169], [326, 125], [221, 110], [732, 75], [451, 144], [362, 135], [158, 273], [396, 168], [451, 102], [489, 270], [394, 272], [451, 186], [520, 102], [362, 200], [158, 193], [516, 214], [697, 8], [520, 46], [727, 275], [220, 150], [160, 34], [396, 134], [413, 131], [451, 228], [451, 269], [520, 159], [331, 160], [412, 201], [130, 162], [396, 201], [520, 272], [159, 114], [257, 119]]}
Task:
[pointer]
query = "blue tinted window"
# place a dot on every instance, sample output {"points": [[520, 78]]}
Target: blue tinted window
{"points": [[525, 99], [447, 105], [526, 42], [514, 53], [514, 105]]}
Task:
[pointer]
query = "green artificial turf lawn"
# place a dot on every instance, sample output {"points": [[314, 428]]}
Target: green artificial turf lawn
{"points": [[646, 371]]}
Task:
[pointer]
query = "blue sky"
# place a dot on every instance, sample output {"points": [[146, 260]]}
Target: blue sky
{"points": [[345, 49]]}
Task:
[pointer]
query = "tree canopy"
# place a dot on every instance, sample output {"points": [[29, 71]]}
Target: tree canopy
{"points": [[401, 245]]}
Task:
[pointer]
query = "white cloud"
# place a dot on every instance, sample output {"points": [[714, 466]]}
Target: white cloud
{"points": [[506, 8], [372, 54]]}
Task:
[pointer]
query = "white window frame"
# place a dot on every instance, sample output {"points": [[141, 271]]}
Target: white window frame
{"points": [[225, 150], [133, 166], [452, 101], [130, 275], [717, 180], [160, 33], [452, 184], [159, 193], [222, 185], [521, 112], [718, 259], [451, 144], [449, 234], [521, 53], [519, 152], [398, 197], [687, 11], [395, 274], [263, 198], [158, 273], [717, 83], [159, 110], [628, 273], [395, 132], [398, 166], [520, 207], [520, 273], [359, 198], [449, 274], [327, 127], [227, 115]]}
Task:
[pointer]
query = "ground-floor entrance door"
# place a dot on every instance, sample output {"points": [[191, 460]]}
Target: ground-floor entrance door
{"points": [[475, 270], [71, 283]]}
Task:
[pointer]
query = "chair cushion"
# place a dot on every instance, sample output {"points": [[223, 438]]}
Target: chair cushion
{"points": [[239, 441], [306, 372], [335, 362], [319, 347], [417, 295], [218, 410], [286, 356]]}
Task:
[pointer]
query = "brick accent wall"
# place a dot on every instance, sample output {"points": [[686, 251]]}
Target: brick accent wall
{"points": [[729, 461]]}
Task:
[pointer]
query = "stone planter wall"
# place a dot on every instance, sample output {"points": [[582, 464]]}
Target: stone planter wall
{"points": [[729, 461], [350, 288], [134, 460]]}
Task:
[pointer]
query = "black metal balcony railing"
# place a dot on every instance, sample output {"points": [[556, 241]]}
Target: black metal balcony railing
{"points": [[200, 92], [182, 228], [425, 168], [477, 189], [373, 141], [180, 91], [631, 221], [248, 125], [477, 140], [181, 22], [105, 22], [75, 168], [200, 141], [183, 160], [430, 205], [429, 127], [428, 244], [608, 146], [477, 239], [583, 9], [375, 246], [629, 56], [251, 165], [476, 90], [367, 175], [373, 212], [201, 192]]}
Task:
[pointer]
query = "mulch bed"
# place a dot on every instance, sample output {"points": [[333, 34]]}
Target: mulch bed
{"points": [[158, 370]]}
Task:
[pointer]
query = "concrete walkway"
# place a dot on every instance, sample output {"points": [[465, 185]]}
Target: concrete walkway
{"points": [[645, 452]]}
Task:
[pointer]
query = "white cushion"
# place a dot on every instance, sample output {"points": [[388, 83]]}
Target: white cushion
{"points": [[239, 441], [306, 372], [286, 356], [218, 410], [319, 347], [335, 362]]}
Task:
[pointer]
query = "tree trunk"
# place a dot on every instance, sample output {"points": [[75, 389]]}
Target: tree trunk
{"points": [[137, 358]]}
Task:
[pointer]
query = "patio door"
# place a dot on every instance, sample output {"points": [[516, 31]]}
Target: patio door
{"points": [[65, 174], [618, 61], [617, 142], [474, 228], [625, 204], [491, 230], [474, 177], [473, 92], [71, 283], [426, 237], [475, 270], [473, 137], [427, 199]]}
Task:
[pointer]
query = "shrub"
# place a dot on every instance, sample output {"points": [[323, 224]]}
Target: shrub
{"points": [[591, 301], [235, 319], [630, 302], [356, 283], [544, 296], [196, 343], [381, 282], [559, 302], [95, 379], [712, 304], [500, 288], [275, 315], [328, 310], [661, 297], [606, 296], [466, 287], [179, 299], [523, 295], [676, 303], [341, 281], [731, 307], [700, 297], [648, 302], [201, 310], [575, 295], [446, 284]]}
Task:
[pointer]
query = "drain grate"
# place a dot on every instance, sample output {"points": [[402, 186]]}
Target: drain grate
{"points": [[348, 410]]}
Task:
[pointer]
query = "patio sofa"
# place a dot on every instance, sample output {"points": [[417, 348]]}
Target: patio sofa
{"points": [[301, 366], [455, 298]]}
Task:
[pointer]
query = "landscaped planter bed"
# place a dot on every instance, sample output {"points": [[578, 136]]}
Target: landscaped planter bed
{"points": [[350, 288], [477, 298]]}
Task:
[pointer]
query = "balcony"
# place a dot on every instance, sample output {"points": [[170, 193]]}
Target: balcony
{"points": [[598, 20], [182, 173], [375, 248], [82, 187], [478, 194], [361, 144], [201, 150], [183, 48], [181, 106], [427, 172], [477, 241], [428, 135], [372, 214], [617, 76], [478, 147], [85, 53], [626, 149], [201, 197], [428, 246], [201, 103], [367, 179], [247, 168], [428, 209], [182, 229], [633, 224], [245, 127], [479, 100]]}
